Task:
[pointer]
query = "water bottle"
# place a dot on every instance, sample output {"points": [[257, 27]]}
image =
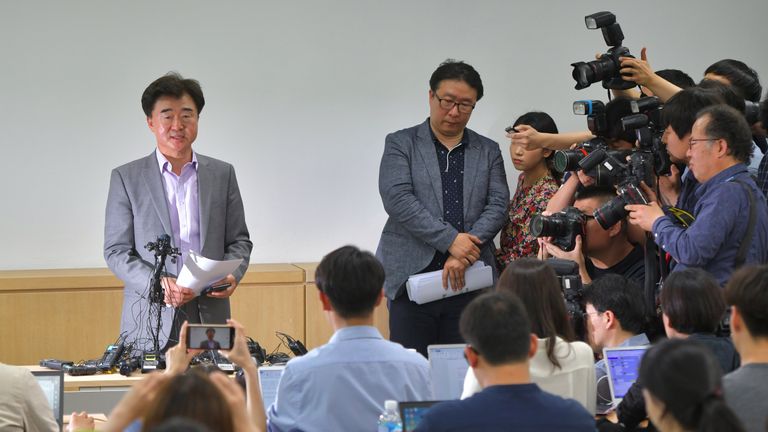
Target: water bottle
{"points": [[389, 420]]}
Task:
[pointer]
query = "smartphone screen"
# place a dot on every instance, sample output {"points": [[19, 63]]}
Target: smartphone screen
{"points": [[210, 336]]}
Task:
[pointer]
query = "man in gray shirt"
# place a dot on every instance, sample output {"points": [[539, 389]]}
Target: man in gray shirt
{"points": [[745, 388]]}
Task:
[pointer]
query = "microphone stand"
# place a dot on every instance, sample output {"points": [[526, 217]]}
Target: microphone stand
{"points": [[162, 249]]}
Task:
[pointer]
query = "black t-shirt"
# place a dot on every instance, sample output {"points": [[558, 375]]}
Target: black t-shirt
{"points": [[631, 267]]}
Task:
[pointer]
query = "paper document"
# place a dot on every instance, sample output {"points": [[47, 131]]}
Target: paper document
{"points": [[427, 287], [200, 272]]}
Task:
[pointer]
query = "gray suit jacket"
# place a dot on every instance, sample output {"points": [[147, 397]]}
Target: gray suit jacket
{"points": [[412, 192], [137, 213]]}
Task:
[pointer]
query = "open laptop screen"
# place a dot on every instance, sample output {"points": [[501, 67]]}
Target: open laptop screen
{"points": [[623, 364], [52, 383], [412, 412], [447, 367], [269, 378]]}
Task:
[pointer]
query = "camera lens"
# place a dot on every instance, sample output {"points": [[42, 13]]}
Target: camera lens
{"points": [[591, 72], [546, 226], [611, 212], [567, 160]]}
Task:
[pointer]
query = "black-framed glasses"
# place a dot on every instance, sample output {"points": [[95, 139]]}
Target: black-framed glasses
{"points": [[693, 141], [448, 104]]}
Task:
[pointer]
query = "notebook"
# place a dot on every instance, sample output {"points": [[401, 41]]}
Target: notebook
{"points": [[269, 378], [623, 365], [52, 383], [412, 412], [447, 367]]}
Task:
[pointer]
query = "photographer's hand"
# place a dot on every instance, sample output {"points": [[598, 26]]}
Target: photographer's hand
{"points": [[584, 179], [640, 72], [576, 255], [644, 215], [530, 139], [178, 357], [669, 186], [637, 70], [649, 193]]}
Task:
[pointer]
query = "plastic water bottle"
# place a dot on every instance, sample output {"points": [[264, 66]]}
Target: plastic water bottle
{"points": [[389, 420]]}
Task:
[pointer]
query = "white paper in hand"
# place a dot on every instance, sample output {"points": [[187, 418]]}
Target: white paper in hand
{"points": [[427, 287], [200, 272]]}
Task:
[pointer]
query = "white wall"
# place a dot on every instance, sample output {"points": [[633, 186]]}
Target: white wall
{"points": [[300, 95]]}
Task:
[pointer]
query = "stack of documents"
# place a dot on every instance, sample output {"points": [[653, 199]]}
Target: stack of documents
{"points": [[200, 272], [427, 287]]}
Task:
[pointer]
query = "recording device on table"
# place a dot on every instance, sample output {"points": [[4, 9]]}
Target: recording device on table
{"points": [[607, 67], [112, 354], [297, 348], [55, 364]]}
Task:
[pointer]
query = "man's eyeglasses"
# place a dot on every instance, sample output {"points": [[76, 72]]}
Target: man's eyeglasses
{"points": [[448, 104], [692, 141]]}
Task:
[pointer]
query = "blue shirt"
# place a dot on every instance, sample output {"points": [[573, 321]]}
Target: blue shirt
{"points": [[342, 385], [713, 239], [688, 185], [520, 407], [604, 401]]}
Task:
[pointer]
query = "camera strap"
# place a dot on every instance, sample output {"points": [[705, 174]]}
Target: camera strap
{"points": [[678, 215], [741, 255]]}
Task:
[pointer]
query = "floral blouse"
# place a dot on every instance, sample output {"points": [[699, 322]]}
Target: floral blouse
{"points": [[516, 239]]}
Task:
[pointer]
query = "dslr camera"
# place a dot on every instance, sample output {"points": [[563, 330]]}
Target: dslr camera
{"points": [[562, 226], [606, 68], [581, 157]]}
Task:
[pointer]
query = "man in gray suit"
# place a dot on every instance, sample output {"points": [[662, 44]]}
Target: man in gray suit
{"points": [[192, 198], [445, 191]]}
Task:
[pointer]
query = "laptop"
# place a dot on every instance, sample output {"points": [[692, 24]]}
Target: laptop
{"points": [[412, 412], [269, 378], [52, 383], [623, 366], [447, 367]]}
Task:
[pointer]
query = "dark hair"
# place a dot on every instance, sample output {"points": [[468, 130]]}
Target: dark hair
{"points": [[456, 70], [496, 325], [727, 123], [542, 122], [190, 395], [725, 92], [676, 77], [210, 329], [621, 296], [686, 378], [743, 78], [180, 424], [614, 110], [603, 194], [693, 301], [748, 291], [536, 285], [680, 110], [174, 85], [352, 279], [764, 112]]}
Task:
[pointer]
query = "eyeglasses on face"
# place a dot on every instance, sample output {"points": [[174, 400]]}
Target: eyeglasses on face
{"points": [[448, 104], [693, 141]]}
